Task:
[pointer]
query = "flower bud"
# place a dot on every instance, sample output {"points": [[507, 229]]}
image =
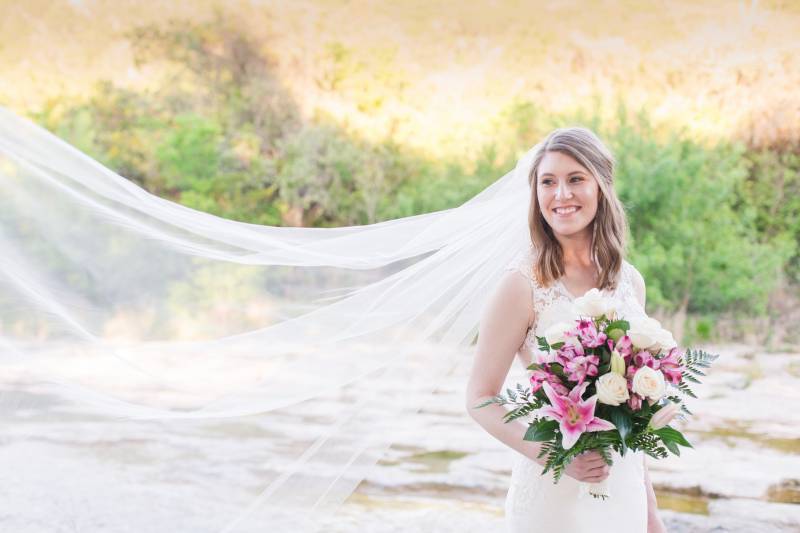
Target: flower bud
{"points": [[615, 334], [664, 415], [617, 363]]}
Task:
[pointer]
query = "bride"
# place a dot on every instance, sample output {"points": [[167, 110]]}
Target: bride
{"points": [[577, 232], [164, 366]]}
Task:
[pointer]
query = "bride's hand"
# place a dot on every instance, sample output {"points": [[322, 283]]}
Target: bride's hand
{"points": [[588, 467]]}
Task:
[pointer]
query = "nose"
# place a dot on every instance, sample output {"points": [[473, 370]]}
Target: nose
{"points": [[562, 191]]}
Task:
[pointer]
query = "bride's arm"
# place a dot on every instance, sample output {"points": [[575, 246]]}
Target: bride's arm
{"points": [[654, 522], [503, 327]]}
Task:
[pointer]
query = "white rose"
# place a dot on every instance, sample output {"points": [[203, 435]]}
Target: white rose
{"points": [[664, 340], [612, 389], [644, 331], [649, 383], [593, 304], [555, 333], [614, 308]]}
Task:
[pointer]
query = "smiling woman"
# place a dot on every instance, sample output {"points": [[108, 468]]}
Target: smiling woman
{"points": [[573, 203], [577, 229], [562, 194]]}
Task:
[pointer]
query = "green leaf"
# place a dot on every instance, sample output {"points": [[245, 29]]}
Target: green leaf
{"points": [[624, 424], [695, 371], [541, 431], [543, 344], [671, 446], [557, 369], [670, 434], [615, 334], [511, 394], [487, 402], [618, 324]]}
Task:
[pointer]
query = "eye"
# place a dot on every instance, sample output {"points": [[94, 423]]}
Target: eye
{"points": [[547, 181], [576, 179]]}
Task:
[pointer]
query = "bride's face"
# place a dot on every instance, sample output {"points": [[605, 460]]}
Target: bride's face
{"points": [[567, 194]]}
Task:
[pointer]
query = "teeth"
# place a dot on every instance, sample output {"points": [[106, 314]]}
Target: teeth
{"points": [[565, 210]]}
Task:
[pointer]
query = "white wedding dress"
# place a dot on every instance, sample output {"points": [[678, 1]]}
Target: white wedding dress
{"points": [[535, 504]]}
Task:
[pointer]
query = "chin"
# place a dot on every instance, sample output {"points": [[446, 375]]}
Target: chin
{"points": [[569, 230]]}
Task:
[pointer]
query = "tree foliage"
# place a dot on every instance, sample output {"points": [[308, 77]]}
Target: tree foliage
{"points": [[711, 226]]}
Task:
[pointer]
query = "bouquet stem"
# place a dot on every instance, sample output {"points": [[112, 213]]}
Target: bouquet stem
{"points": [[597, 490]]}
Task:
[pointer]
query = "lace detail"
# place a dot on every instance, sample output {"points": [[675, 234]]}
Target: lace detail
{"points": [[526, 483], [544, 298]]}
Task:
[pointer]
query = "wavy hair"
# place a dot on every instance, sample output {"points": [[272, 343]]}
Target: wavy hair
{"points": [[609, 226]]}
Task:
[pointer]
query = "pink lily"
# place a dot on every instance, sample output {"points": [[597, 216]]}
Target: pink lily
{"points": [[538, 377], [544, 357], [568, 352], [589, 334], [575, 416], [671, 366], [645, 358], [635, 402], [581, 366], [624, 346]]}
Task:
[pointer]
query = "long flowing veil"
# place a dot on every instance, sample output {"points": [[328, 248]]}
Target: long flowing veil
{"points": [[164, 369]]}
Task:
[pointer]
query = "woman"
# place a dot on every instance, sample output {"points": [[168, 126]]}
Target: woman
{"points": [[577, 229]]}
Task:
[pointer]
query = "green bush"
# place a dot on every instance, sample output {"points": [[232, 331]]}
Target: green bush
{"points": [[711, 226]]}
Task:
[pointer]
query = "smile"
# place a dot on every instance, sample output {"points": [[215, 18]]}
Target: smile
{"points": [[564, 211]]}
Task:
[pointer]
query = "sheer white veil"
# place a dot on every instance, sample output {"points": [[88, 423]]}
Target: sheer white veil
{"points": [[164, 369]]}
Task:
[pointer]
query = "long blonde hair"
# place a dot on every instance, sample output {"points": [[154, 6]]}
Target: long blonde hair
{"points": [[609, 226]]}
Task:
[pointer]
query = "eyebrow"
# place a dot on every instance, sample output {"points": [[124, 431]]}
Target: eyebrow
{"points": [[570, 174]]}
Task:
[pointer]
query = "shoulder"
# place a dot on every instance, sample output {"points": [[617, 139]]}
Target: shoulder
{"points": [[513, 294], [515, 288], [637, 281], [522, 263]]}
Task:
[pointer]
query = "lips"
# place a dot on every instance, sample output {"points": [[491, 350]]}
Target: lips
{"points": [[566, 210]]}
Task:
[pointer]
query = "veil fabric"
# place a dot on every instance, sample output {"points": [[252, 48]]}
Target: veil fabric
{"points": [[164, 369]]}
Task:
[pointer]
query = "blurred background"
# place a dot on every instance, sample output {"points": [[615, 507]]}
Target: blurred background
{"points": [[330, 113]]}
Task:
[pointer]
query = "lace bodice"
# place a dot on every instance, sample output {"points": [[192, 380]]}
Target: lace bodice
{"points": [[555, 303]]}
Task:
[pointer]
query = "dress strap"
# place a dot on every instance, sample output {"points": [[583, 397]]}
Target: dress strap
{"points": [[542, 297], [523, 263], [625, 287]]}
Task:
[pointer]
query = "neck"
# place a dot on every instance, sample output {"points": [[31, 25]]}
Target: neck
{"points": [[577, 249]]}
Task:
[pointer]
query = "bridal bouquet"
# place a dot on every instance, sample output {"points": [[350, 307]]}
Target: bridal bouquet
{"points": [[611, 379]]}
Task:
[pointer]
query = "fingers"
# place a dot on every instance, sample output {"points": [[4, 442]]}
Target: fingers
{"points": [[597, 474], [592, 456], [592, 460], [590, 467]]}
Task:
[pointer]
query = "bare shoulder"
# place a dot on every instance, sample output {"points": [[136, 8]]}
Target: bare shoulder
{"points": [[513, 296]]}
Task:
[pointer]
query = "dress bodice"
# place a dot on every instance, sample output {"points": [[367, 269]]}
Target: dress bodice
{"points": [[535, 503], [554, 303]]}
